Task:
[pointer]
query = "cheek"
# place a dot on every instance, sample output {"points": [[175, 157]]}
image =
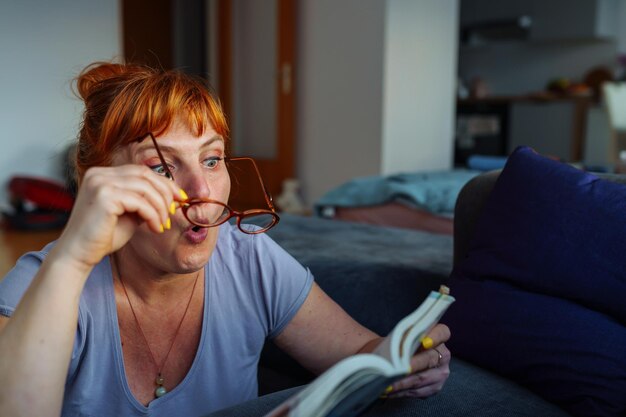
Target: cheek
{"points": [[225, 193], [220, 187]]}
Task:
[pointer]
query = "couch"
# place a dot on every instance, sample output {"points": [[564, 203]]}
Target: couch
{"points": [[379, 274]]}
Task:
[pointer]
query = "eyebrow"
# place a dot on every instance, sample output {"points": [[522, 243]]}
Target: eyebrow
{"points": [[170, 149]]}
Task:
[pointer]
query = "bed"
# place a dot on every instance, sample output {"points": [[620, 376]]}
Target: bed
{"points": [[421, 201]]}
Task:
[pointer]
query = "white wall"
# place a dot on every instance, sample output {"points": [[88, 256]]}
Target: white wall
{"points": [[43, 45], [339, 92], [361, 110], [421, 38]]}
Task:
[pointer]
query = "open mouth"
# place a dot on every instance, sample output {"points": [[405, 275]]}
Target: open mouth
{"points": [[196, 234]]}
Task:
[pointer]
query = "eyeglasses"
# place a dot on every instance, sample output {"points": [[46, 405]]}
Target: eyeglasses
{"points": [[206, 212]]}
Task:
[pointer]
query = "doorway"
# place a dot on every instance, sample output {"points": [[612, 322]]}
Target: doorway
{"points": [[254, 53]]}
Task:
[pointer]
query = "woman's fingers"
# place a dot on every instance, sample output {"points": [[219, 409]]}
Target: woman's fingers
{"points": [[430, 358], [430, 365], [420, 391], [440, 333], [111, 203], [158, 190], [435, 365]]}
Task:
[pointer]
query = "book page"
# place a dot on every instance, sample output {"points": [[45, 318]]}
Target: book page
{"points": [[413, 328], [332, 386], [415, 334]]}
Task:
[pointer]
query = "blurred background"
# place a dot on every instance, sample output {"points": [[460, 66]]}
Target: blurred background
{"points": [[325, 91]]}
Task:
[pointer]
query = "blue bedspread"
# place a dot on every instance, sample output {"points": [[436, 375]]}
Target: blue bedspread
{"points": [[434, 191]]}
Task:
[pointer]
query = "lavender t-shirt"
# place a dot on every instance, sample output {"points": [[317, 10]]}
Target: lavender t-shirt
{"points": [[253, 288]]}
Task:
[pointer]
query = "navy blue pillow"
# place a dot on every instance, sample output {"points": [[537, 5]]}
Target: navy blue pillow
{"points": [[570, 355], [540, 295], [553, 229]]}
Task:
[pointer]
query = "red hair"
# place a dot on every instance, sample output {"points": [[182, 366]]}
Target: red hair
{"points": [[125, 102]]}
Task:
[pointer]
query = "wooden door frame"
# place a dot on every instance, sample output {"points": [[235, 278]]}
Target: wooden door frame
{"points": [[274, 171]]}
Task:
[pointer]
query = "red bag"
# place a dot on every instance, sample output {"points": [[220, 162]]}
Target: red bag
{"points": [[38, 203]]}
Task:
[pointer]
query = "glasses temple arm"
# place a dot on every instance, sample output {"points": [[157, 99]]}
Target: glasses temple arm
{"points": [[268, 196], [165, 167]]}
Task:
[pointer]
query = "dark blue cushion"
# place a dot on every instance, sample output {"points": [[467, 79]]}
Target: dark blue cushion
{"points": [[540, 296], [556, 230]]}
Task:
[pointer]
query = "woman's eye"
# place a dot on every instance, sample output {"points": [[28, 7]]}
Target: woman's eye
{"points": [[159, 169], [212, 162]]}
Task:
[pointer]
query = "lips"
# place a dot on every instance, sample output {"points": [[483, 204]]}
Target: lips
{"points": [[195, 234]]}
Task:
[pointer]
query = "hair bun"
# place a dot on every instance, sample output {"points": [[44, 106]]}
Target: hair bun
{"points": [[98, 72]]}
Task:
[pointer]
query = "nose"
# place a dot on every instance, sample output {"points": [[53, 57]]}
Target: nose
{"points": [[195, 184]]}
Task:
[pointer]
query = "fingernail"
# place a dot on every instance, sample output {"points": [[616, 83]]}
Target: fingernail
{"points": [[183, 194], [173, 208], [168, 224], [161, 230], [427, 342], [388, 389]]}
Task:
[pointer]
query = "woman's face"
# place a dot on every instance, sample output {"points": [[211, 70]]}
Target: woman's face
{"points": [[192, 161]]}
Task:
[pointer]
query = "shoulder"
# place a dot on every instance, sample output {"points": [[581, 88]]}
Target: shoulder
{"points": [[18, 279], [274, 282], [242, 246]]}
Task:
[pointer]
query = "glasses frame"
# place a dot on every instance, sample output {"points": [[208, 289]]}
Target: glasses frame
{"points": [[232, 213]]}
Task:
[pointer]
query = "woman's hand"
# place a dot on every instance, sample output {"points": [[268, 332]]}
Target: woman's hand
{"points": [[111, 204], [431, 368]]}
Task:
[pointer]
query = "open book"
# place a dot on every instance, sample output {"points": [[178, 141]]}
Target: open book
{"points": [[354, 383]]}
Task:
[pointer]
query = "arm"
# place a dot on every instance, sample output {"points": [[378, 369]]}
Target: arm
{"points": [[39, 337], [322, 333]]}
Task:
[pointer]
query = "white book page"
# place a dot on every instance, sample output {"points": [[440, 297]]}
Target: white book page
{"points": [[417, 332], [333, 385], [391, 346]]}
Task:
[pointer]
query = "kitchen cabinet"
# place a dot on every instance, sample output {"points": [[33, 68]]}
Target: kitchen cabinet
{"points": [[551, 20], [552, 125]]}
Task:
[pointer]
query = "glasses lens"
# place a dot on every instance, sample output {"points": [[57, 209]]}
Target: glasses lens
{"points": [[257, 222], [246, 192], [207, 214]]}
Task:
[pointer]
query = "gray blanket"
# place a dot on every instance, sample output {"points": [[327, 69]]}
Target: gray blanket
{"points": [[378, 274]]}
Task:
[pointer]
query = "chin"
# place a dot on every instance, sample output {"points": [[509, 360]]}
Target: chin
{"points": [[193, 256], [192, 261]]}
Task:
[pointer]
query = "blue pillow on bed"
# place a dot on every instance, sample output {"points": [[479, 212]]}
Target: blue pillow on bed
{"points": [[540, 295]]}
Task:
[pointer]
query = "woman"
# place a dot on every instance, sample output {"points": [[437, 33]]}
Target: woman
{"points": [[135, 310]]}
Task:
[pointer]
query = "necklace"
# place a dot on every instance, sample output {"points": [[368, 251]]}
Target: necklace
{"points": [[159, 380]]}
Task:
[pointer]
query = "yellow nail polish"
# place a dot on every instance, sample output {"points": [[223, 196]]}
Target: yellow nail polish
{"points": [[173, 208], [168, 224], [161, 230], [183, 194], [388, 389], [427, 342]]}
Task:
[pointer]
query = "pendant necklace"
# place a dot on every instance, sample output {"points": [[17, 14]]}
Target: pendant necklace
{"points": [[159, 380]]}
